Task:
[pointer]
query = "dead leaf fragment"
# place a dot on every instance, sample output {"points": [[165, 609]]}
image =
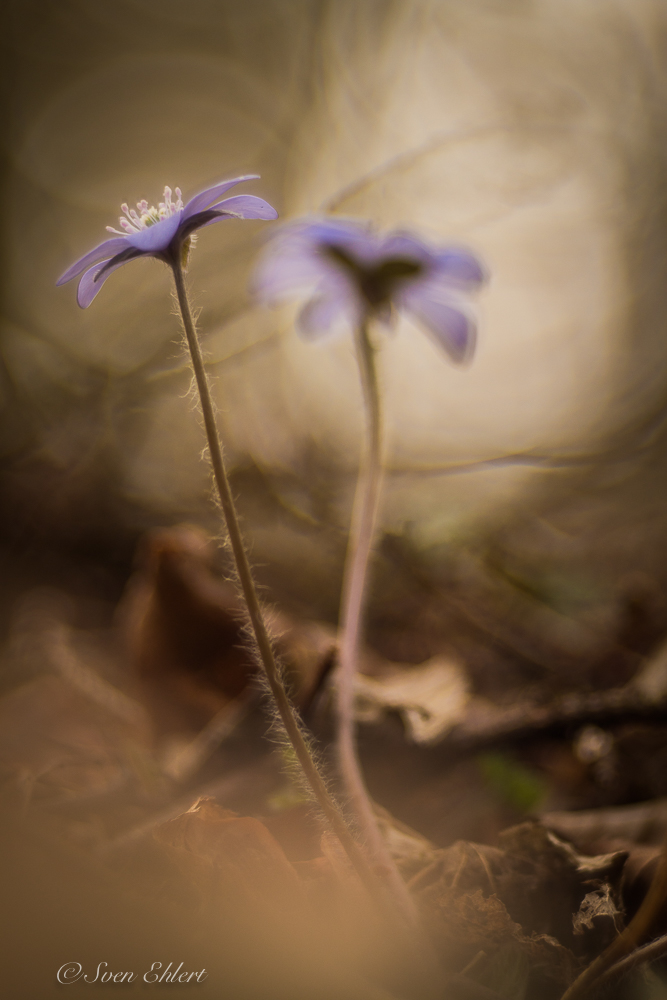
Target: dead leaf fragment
{"points": [[430, 698], [246, 856], [599, 913]]}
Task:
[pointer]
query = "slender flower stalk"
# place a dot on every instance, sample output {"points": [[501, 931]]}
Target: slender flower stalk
{"points": [[360, 547], [353, 277], [260, 632], [166, 233]]}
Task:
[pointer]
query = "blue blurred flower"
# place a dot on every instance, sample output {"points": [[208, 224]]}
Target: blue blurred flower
{"points": [[350, 273], [161, 232]]}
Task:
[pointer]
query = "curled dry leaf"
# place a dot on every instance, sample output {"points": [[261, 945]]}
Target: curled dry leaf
{"points": [[431, 698], [183, 627], [548, 881], [471, 921], [533, 903], [239, 854], [185, 634], [233, 865]]}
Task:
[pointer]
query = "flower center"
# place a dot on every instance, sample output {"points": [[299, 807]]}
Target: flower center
{"points": [[376, 282], [142, 217]]}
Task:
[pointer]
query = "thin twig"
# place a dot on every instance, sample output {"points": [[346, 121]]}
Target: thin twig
{"points": [[59, 650], [181, 763], [484, 724], [264, 647], [417, 881], [640, 823], [473, 964]]}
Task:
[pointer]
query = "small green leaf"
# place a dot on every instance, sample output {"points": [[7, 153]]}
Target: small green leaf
{"points": [[513, 782]]}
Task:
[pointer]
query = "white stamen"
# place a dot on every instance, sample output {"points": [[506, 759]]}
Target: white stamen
{"points": [[134, 221]]}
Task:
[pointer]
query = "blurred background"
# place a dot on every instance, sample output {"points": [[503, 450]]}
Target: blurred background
{"points": [[524, 526], [531, 131]]}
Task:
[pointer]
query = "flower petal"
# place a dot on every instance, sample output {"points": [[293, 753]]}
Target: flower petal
{"points": [[206, 198], [322, 313], [156, 239], [248, 206], [296, 261], [460, 265], [356, 238], [450, 326], [350, 270], [102, 252], [405, 245], [282, 275], [245, 207], [94, 278]]}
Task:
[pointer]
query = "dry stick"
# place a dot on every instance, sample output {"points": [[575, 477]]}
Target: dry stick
{"points": [[261, 635], [366, 501], [636, 930]]}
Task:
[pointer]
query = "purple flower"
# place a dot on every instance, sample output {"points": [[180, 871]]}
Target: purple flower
{"points": [[161, 232], [351, 273]]}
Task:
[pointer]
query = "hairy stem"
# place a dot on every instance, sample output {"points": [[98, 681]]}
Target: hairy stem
{"points": [[267, 656], [362, 535], [628, 940]]}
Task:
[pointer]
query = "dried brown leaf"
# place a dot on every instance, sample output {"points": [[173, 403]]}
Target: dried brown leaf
{"points": [[247, 858]]}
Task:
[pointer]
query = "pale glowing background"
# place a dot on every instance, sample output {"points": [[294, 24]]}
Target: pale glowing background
{"points": [[531, 131], [535, 131]]}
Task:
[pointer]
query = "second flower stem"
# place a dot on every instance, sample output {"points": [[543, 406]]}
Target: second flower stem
{"points": [[267, 656], [362, 537]]}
